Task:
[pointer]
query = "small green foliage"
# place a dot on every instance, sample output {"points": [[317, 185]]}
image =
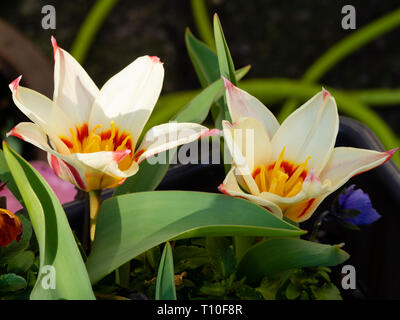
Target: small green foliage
{"points": [[19, 265], [300, 284]]}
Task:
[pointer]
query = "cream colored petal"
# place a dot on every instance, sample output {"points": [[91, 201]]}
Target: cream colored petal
{"points": [[41, 111], [242, 104], [107, 162], [346, 162], [239, 160], [231, 187], [65, 167], [74, 90], [302, 211], [168, 136], [311, 130], [130, 94]]}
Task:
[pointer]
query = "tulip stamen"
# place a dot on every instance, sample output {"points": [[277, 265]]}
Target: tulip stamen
{"points": [[107, 140], [281, 177]]}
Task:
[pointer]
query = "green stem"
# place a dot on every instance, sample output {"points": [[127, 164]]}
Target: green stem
{"points": [[87, 32], [94, 205]]}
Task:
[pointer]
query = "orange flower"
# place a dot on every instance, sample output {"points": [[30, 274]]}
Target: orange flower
{"points": [[10, 228]]}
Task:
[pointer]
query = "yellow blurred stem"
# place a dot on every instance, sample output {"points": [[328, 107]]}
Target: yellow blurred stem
{"points": [[94, 205]]}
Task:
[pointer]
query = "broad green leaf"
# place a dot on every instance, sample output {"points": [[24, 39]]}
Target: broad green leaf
{"points": [[129, 225], [226, 66], [274, 255], [11, 282], [165, 284], [204, 60], [56, 242], [199, 107]]}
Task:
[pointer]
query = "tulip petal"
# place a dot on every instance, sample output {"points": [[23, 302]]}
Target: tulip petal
{"points": [[10, 227], [241, 104], [252, 140], [170, 135], [41, 110], [303, 210], [107, 162], [63, 165], [231, 187], [243, 154], [311, 130], [129, 97], [74, 90], [346, 162]]}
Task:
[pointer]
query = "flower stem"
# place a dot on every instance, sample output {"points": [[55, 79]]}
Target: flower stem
{"points": [[94, 205]]}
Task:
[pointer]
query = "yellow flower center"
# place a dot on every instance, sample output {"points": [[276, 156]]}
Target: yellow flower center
{"points": [[84, 141], [282, 177]]}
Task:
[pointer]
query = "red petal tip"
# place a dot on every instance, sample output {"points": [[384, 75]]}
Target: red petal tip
{"points": [[14, 134], [55, 46], [209, 133], [155, 59], [227, 83], [392, 152], [14, 85], [326, 93]]}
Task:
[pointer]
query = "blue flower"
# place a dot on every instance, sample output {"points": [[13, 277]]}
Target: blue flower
{"points": [[358, 200]]}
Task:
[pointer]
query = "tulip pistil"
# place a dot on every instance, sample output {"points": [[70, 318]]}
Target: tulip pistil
{"points": [[282, 177]]}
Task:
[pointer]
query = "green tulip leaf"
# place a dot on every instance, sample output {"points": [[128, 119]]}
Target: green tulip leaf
{"points": [[204, 60], [131, 224], [58, 250], [165, 284], [275, 255]]}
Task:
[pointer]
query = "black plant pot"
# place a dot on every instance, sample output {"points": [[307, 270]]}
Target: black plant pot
{"points": [[374, 251]]}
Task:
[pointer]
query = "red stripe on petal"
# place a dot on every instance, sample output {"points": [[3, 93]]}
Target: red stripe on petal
{"points": [[309, 203], [55, 164], [13, 133], [76, 175]]}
